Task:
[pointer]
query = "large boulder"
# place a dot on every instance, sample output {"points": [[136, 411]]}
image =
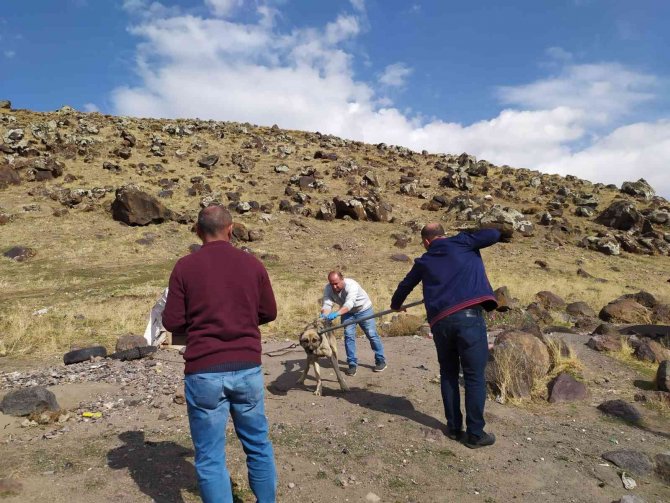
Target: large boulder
{"points": [[135, 207], [663, 376], [640, 189], [621, 215], [130, 341], [518, 361], [504, 299], [25, 401], [624, 310], [44, 168], [352, 208]]}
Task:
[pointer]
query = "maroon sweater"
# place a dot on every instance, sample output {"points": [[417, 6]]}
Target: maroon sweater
{"points": [[218, 296]]}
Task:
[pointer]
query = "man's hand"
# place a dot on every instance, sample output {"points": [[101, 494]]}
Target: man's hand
{"points": [[332, 315]]}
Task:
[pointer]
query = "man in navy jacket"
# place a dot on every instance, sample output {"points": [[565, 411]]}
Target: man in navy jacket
{"points": [[455, 291]]}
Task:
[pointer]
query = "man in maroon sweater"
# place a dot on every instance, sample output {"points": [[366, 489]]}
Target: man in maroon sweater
{"points": [[218, 296]]}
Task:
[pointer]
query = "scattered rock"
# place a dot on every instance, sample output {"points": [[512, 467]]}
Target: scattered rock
{"points": [[400, 257], [565, 388], [130, 341], [25, 401], [605, 342], [19, 253], [580, 309], [624, 310], [635, 462], [621, 409], [641, 189], [135, 207], [663, 466], [208, 161], [663, 376], [550, 300]]}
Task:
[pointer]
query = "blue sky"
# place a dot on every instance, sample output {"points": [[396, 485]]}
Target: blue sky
{"points": [[563, 86]]}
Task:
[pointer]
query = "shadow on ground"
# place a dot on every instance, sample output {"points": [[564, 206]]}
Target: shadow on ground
{"points": [[158, 468], [379, 402]]}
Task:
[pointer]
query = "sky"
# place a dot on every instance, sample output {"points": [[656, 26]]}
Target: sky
{"points": [[577, 87]]}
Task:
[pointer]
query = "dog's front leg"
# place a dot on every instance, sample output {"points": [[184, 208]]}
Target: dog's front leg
{"points": [[317, 371], [336, 368], [303, 376]]}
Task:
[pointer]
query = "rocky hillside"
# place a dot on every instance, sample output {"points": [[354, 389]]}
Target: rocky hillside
{"points": [[97, 208]]}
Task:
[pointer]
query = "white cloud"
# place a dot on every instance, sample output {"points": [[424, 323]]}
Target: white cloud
{"points": [[148, 9], [395, 75], [91, 107], [216, 68], [224, 8], [358, 5], [606, 90]]}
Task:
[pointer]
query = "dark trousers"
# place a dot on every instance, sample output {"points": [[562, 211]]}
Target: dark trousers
{"points": [[460, 340]]}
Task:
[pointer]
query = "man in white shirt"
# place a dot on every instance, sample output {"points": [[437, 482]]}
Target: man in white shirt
{"points": [[354, 304]]}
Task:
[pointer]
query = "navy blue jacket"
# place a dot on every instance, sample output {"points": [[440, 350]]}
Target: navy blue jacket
{"points": [[453, 275]]}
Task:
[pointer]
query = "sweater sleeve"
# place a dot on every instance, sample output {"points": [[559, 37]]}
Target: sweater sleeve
{"points": [[327, 299], [267, 307], [482, 238], [406, 286], [174, 314]]}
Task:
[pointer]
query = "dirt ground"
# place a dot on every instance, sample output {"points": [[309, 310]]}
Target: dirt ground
{"points": [[380, 440]]}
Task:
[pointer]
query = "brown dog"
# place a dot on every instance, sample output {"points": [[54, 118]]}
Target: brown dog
{"points": [[317, 346]]}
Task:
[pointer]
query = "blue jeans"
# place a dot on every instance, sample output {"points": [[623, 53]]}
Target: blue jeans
{"points": [[369, 329], [210, 398], [460, 340]]}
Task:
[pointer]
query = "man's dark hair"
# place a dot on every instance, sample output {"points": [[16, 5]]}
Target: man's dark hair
{"points": [[432, 231], [213, 219]]}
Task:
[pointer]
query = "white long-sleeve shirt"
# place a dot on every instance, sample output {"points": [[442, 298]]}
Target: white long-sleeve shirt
{"points": [[352, 296]]}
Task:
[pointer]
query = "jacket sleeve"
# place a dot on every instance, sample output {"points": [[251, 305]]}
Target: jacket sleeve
{"points": [[482, 238], [406, 286], [327, 299], [174, 314], [267, 307]]}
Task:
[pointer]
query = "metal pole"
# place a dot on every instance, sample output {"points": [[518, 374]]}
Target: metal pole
{"points": [[375, 315]]}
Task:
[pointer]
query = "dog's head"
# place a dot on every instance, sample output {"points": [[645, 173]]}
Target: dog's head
{"points": [[310, 339]]}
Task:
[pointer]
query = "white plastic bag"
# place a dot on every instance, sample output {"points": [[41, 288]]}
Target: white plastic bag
{"points": [[155, 333]]}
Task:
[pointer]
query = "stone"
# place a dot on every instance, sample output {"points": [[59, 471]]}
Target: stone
{"points": [[208, 161], [135, 207], [630, 498], [25, 401], [605, 342], [550, 300], [651, 351], [520, 358], [8, 176], [400, 257], [640, 189], [130, 341], [663, 376], [5, 105], [580, 309], [621, 409], [621, 215], [20, 253], [663, 466], [565, 388], [624, 311], [631, 461]]}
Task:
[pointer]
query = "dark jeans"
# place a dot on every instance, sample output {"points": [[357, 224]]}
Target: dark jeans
{"points": [[460, 340]]}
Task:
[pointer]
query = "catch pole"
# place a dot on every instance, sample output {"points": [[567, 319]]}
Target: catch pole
{"points": [[375, 315]]}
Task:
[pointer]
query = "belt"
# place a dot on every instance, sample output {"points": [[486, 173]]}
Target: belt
{"points": [[469, 312]]}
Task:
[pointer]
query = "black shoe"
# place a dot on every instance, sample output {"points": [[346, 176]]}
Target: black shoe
{"points": [[379, 367], [474, 442], [351, 371], [458, 435]]}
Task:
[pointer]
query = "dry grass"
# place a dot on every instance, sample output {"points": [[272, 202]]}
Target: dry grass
{"points": [[88, 264], [403, 325]]}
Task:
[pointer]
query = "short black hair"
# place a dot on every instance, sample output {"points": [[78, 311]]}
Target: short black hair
{"points": [[432, 231], [213, 219]]}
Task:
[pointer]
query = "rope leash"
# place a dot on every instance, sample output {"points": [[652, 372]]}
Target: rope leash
{"points": [[281, 351]]}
